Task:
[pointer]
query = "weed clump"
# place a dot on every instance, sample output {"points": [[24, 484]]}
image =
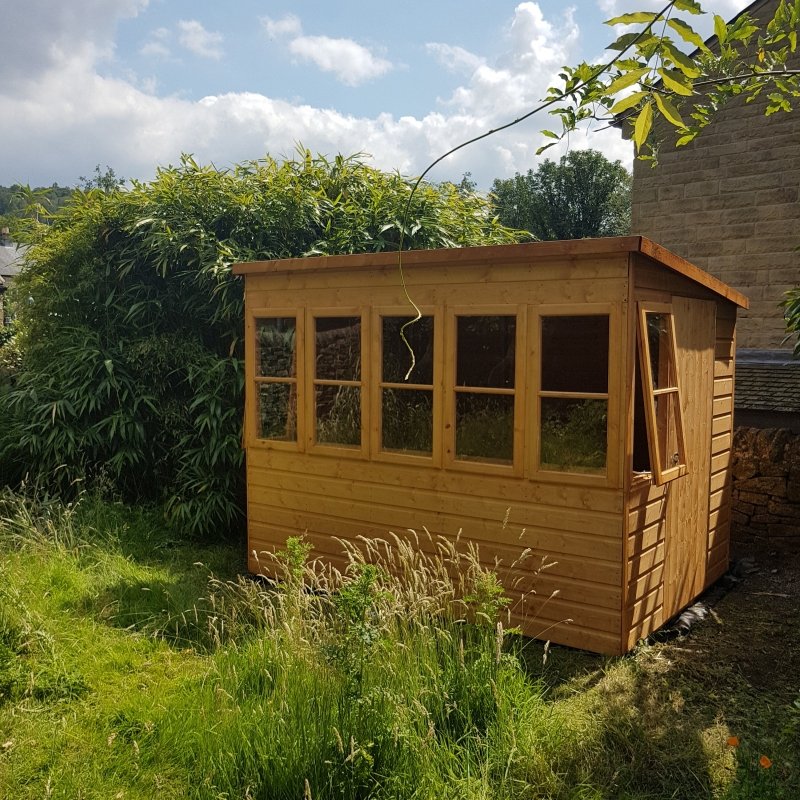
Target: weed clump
{"points": [[387, 677]]}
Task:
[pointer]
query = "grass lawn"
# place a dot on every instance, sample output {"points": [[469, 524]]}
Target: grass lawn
{"points": [[135, 664]]}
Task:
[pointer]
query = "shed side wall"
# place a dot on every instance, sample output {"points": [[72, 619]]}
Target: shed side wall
{"points": [[719, 522], [677, 534]]}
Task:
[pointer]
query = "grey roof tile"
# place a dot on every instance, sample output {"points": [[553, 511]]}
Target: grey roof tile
{"points": [[768, 386]]}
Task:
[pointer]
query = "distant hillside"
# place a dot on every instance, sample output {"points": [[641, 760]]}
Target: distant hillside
{"points": [[15, 198]]}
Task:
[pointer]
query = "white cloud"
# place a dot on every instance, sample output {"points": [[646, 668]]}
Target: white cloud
{"points": [[195, 38], [454, 58], [157, 44], [59, 134], [536, 50], [288, 25], [40, 33], [351, 63]]}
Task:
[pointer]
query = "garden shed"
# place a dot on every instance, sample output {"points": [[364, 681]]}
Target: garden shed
{"points": [[574, 398]]}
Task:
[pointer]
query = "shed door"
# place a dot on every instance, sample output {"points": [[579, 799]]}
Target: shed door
{"points": [[687, 529]]}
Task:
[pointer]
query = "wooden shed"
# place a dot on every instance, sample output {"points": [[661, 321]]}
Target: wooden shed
{"points": [[582, 389]]}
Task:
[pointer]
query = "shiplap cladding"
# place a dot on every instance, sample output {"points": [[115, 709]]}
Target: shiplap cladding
{"points": [[614, 540]]}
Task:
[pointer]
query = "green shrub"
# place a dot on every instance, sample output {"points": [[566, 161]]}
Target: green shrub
{"points": [[132, 327]]}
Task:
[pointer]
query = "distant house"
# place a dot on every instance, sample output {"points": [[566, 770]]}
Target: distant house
{"points": [[730, 203], [10, 264]]}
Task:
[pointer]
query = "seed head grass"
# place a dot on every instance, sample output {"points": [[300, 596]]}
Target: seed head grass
{"points": [[137, 664]]}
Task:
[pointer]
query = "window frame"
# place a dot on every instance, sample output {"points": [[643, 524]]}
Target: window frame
{"points": [[377, 384], [661, 474], [254, 379], [514, 468], [312, 313], [609, 476]]}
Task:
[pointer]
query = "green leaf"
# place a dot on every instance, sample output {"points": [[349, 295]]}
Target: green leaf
{"points": [[691, 6], [643, 124], [687, 33], [626, 79], [681, 60], [666, 107], [627, 39], [741, 29], [676, 82], [635, 18], [628, 102], [544, 147], [550, 134], [720, 29]]}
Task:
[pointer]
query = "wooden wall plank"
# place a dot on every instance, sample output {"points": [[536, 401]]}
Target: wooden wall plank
{"points": [[340, 516], [265, 462], [272, 487], [723, 405]]}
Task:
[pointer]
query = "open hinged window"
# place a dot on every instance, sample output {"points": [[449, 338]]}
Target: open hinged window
{"points": [[661, 392]]}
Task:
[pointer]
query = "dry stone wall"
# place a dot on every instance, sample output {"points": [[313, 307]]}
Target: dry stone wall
{"points": [[766, 487]]}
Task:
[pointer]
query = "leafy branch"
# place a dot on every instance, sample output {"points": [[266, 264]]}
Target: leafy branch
{"points": [[654, 78]]}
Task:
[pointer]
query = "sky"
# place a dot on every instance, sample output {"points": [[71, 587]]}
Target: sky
{"points": [[133, 84]]}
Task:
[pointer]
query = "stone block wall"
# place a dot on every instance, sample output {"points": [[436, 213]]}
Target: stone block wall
{"points": [[766, 487], [729, 202]]}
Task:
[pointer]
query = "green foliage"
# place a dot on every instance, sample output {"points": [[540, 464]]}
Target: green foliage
{"points": [[574, 435], [791, 313], [126, 669], [372, 685], [485, 428], [681, 80], [106, 180], [19, 204], [131, 330], [10, 356], [583, 195]]}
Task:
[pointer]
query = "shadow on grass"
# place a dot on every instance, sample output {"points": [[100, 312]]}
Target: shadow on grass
{"points": [[658, 723]]}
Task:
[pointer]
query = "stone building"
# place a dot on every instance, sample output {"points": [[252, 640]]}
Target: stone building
{"points": [[10, 264], [730, 203]]}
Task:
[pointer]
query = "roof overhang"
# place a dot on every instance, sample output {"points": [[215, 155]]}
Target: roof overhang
{"points": [[529, 252]]}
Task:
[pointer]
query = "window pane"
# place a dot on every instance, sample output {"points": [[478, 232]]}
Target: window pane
{"points": [[659, 346], [275, 347], [575, 354], [407, 420], [338, 414], [485, 351], [485, 426], [338, 348], [669, 448], [574, 435], [397, 359], [277, 411]]}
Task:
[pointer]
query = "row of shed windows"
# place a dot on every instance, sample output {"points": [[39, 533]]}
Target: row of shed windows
{"points": [[313, 388]]}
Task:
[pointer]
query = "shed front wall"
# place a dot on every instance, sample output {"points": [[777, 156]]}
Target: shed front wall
{"points": [[678, 534], [330, 493]]}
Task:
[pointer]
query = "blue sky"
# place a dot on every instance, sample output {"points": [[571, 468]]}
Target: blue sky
{"points": [[134, 83]]}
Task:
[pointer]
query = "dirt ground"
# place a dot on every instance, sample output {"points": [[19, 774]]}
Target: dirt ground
{"points": [[754, 623]]}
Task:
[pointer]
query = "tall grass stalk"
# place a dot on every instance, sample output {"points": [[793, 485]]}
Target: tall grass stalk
{"points": [[128, 669], [388, 678]]}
